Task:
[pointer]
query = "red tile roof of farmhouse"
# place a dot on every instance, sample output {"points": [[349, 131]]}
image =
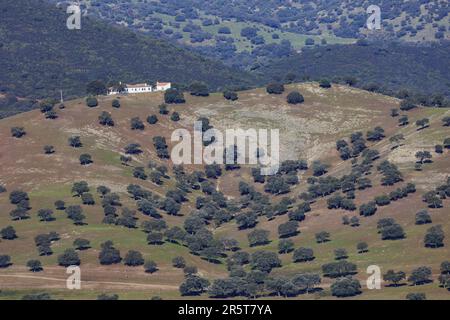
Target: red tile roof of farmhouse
{"points": [[163, 83]]}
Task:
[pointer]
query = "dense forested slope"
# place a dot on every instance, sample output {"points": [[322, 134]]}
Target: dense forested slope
{"points": [[39, 55], [376, 66]]}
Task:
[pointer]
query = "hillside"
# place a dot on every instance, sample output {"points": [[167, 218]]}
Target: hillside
{"points": [[379, 66], [250, 31], [39, 56], [308, 131]]}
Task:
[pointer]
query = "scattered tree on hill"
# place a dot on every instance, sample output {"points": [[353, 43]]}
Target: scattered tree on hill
{"points": [[115, 103], [46, 215], [34, 265], [18, 132], [175, 117], [80, 187], [85, 159], [179, 262], [49, 149], [419, 276], [275, 88], [75, 142], [324, 83], [105, 119], [264, 261], [446, 122], [340, 254], [193, 286], [303, 255], [422, 123], [106, 297], [69, 258], [133, 148], [133, 259], [434, 238], [322, 237], [75, 213], [407, 105], [338, 269], [423, 157], [258, 237], [81, 244], [153, 119], [345, 287], [362, 247], [108, 254], [394, 277], [5, 261], [150, 266], [403, 120], [137, 124], [285, 246], [230, 95], [423, 217], [295, 98], [91, 102], [8, 233], [416, 296], [172, 96], [288, 229]]}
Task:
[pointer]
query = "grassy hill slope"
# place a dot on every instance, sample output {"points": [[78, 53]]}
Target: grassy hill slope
{"points": [[307, 131]]}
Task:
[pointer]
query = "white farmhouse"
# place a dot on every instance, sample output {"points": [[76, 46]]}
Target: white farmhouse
{"points": [[140, 88]]}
